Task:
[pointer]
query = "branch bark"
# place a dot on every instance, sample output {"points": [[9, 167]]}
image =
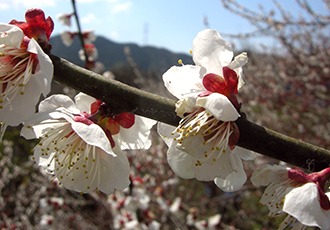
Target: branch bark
{"points": [[124, 98]]}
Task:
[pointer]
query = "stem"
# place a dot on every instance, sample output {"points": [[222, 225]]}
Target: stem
{"points": [[80, 35], [124, 98]]}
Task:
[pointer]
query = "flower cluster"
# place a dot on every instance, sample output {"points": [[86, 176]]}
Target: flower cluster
{"points": [[25, 70], [203, 145], [82, 143], [88, 53], [67, 37]]}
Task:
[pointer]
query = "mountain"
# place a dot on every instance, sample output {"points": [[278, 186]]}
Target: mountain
{"points": [[112, 54]]}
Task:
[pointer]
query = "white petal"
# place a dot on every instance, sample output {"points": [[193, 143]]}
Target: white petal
{"points": [[184, 80], [209, 169], [21, 107], [267, 174], [84, 102], [27, 133], [64, 19], [195, 147], [154, 225], [175, 206], [132, 224], [244, 153], [237, 64], [66, 38], [180, 162], [41, 122], [45, 68], [81, 55], [303, 204], [235, 180], [205, 168], [56, 101], [10, 35], [239, 61], [93, 135], [136, 137], [165, 130], [240, 78], [211, 51], [44, 161], [219, 106], [185, 105], [90, 36], [119, 169], [213, 221], [106, 173]]}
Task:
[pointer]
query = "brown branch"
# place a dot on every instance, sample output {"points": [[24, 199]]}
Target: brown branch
{"points": [[124, 98], [120, 97]]}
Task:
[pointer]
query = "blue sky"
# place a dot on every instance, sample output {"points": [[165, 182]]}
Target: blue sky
{"points": [[169, 24]]}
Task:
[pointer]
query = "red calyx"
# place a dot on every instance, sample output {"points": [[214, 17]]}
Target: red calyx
{"points": [[36, 25], [319, 178], [226, 85]]}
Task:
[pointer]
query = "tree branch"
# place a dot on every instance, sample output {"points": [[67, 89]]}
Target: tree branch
{"points": [[124, 98]]}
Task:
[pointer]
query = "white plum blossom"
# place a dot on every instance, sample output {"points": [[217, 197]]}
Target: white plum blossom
{"points": [[203, 145], [46, 222], [91, 52], [297, 197], [67, 38], [192, 217], [175, 206], [47, 204], [25, 73], [82, 146], [65, 19], [211, 224], [89, 36]]}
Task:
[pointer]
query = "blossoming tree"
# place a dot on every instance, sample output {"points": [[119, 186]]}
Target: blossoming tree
{"points": [[84, 144]]}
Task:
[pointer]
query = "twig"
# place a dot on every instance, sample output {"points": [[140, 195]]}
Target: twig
{"points": [[80, 35]]}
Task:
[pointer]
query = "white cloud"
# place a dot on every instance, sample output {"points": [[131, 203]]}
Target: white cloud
{"points": [[88, 18], [4, 6], [122, 7], [114, 34], [87, 1]]}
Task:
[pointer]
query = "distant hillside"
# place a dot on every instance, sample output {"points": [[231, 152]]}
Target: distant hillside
{"points": [[111, 54]]}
